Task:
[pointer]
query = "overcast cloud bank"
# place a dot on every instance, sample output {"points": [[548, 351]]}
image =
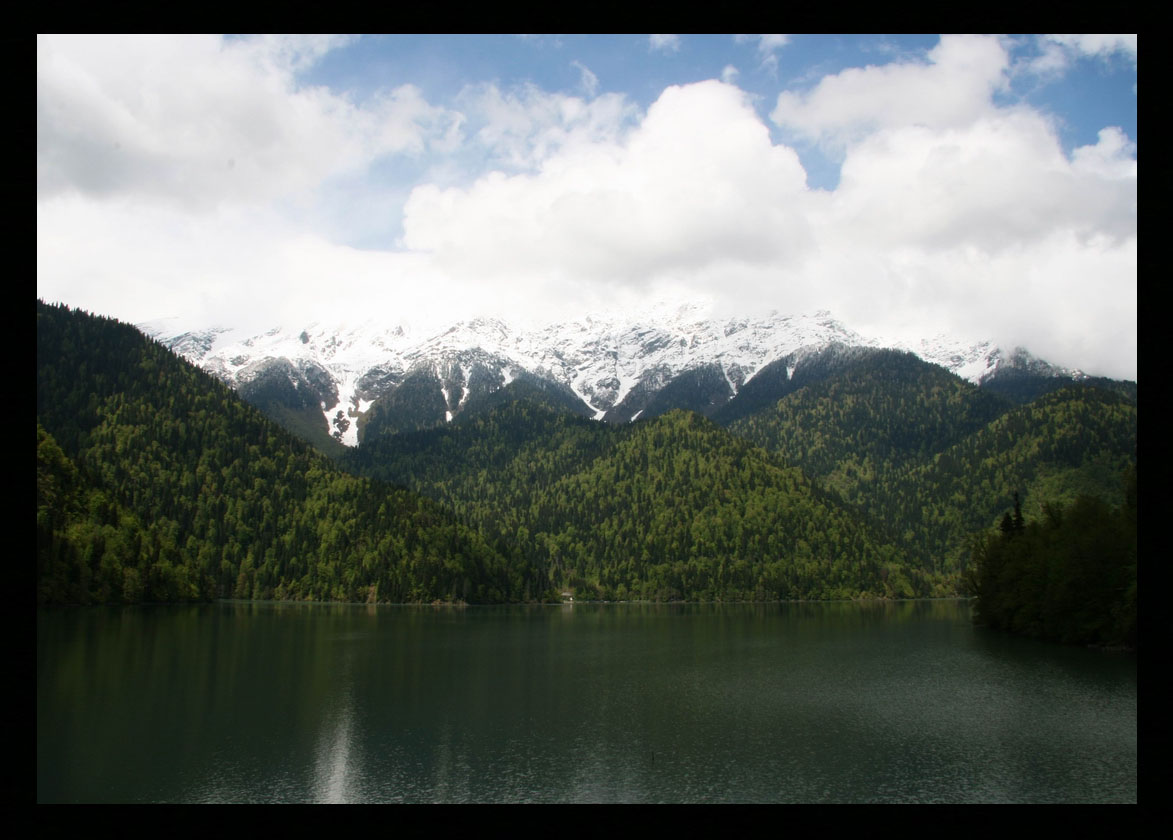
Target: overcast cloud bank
{"points": [[198, 176]]}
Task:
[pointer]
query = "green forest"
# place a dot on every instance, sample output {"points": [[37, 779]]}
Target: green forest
{"points": [[1069, 576], [880, 478], [156, 483]]}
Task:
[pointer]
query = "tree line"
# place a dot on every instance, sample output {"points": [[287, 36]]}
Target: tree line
{"points": [[157, 483], [1069, 576]]}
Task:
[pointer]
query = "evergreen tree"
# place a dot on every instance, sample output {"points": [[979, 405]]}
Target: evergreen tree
{"points": [[1070, 577]]}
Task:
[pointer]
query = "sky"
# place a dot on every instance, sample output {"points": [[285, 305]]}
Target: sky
{"points": [[982, 187]]}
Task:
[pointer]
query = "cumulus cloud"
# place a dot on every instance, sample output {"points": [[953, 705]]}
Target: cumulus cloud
{"points": [[970, 215], [946, 211], [1052, 61], [1112, 158], [952, 88], [997, 184], [952, 213], [698, 185], [197, 120]]}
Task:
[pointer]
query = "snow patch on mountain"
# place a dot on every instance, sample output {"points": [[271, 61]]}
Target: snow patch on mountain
{"points": [[603, 359]]}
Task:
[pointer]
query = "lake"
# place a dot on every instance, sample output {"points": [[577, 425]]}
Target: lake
{"points": [[819, 703]]}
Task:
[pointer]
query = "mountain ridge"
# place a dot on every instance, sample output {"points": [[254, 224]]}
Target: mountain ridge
{"points": [[620, 368], [866, 478]]}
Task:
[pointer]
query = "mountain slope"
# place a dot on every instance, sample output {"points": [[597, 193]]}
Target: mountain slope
{"points": [[344, 381], [868, 475], [934, 457], [671, 507], [1071, 442], [206, 498], [856, 414]]}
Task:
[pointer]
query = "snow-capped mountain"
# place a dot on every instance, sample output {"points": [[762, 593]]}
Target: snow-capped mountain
{"points": [[613, 366]]}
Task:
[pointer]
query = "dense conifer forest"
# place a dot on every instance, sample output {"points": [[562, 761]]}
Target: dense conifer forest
{"points": [[669, 508], [1070, 576], [155, 482]]}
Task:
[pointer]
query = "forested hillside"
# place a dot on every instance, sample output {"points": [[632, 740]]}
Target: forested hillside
{"points": [[867, 478], [1069, 576], [673, 507], [1077, 440], [166, 486], [865, 422]]}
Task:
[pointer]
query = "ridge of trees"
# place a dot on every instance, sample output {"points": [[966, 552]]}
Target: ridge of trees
{"points": [[937, 458], [1069, 576], [161, 485], [866, 479], [671, 507]]}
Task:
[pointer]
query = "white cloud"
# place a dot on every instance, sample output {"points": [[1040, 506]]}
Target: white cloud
{"points": [[664, 43], [951, 214], [521, 128], [1098, 45], [984, 227], [235, 267], [1058, 52], [729, 74], [1052, 61], [934, 225], [1070, 300], [1111, 157], [696, 186], [953, 88], [588, 81], [767, 47], [293, 54], [997, 184], [767, 44], [197, 121]]}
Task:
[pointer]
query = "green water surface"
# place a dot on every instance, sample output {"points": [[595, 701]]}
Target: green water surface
{"points": [[843, 702]]}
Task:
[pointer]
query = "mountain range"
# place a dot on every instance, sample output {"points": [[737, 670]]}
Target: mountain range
{"points": [[815, 469], [350, 382]]}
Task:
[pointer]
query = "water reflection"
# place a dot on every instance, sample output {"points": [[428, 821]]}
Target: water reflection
{"points": [[452, 770], [900, 702], [334, 772]]}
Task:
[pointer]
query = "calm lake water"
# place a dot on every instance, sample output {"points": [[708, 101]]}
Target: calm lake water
{"points": [[896, 702]]}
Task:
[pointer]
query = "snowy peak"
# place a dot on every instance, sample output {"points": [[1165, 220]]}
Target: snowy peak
{"points": [[1021, 361], [616, 366]]}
